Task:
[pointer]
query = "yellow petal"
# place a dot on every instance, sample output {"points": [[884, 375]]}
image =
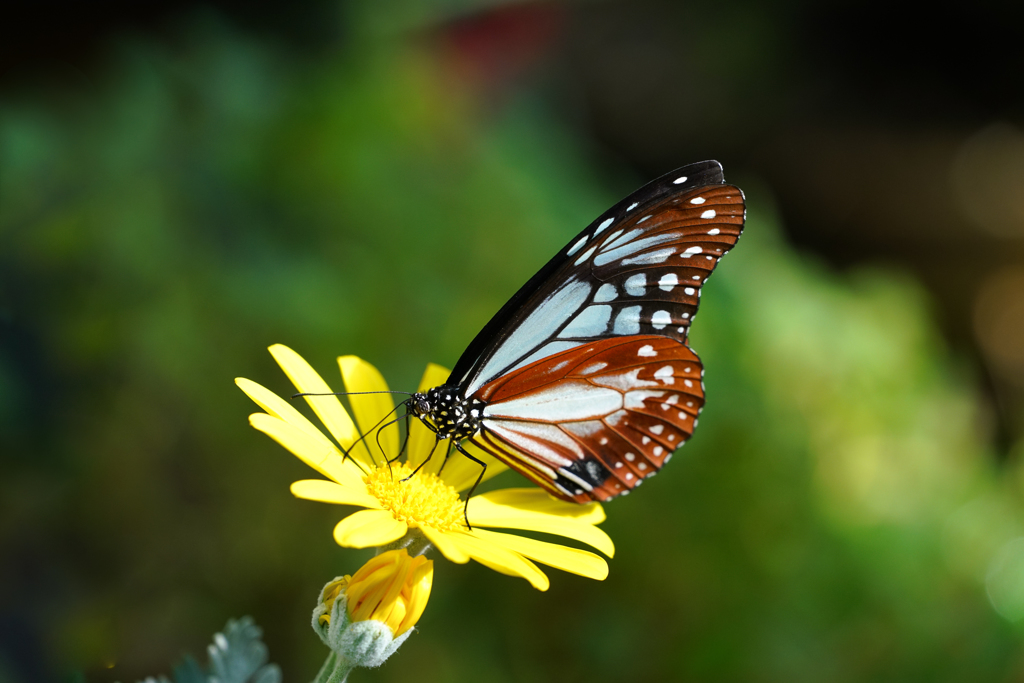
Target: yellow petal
{"points": [[327, 408], [538, 500], [484, 513], [418, 593], [316, 451], [559, 556], [421, 439], [500, 559], [329, 492], [278, 407], [395, 586], [369, 528], [460, 473], [371, 410], [448, 548]]}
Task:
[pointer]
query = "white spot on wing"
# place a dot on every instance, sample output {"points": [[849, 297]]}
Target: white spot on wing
{"points": [[636, 285], [646, 351], [605, 292], [690, 291], [643, 219], [593, 367], [565, 401], [574, 478], [659, 256], [627, 246], [632, 206], [586, 255], [630, 457], [657, 429], [664, 374], [660, 320], [591, 322], [709, 214], [697, 200], [576, 247], [694, 250], [627, 321], [679, 180], [615, 418], [612, 236], [635, 399], [617, 239], [714, 231], [625, 381], [668, 281], [604, 224]]}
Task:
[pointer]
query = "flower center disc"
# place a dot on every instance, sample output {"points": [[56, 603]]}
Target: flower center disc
{"points": [[422, 500]]}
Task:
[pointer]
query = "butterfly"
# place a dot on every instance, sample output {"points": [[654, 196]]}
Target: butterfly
{"points": [[584, 381]]}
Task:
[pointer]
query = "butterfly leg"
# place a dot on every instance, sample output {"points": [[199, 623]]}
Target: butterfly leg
{"points": [[447, 455], [405, 441], [427, 459], [483, 471]]}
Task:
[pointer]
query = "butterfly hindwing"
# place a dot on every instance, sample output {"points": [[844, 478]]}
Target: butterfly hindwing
{"points": [[594, 421]]}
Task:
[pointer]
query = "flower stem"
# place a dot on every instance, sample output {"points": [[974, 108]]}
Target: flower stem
{"points": [[414, 542], [334, 670]]}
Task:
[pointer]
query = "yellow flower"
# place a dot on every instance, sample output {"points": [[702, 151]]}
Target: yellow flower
{"points": [[400, 506], [391, 588]]}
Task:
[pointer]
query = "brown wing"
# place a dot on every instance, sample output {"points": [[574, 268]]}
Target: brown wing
{"points": [[594, 421]]}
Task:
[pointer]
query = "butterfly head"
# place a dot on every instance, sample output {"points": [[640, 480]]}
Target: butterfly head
{"points": [[450, 415]]}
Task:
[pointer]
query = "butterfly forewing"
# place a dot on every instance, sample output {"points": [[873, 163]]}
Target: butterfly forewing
{"points": [[636, 271]]}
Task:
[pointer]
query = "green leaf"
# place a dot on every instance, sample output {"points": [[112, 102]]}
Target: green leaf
{"points": [[236, 656]]}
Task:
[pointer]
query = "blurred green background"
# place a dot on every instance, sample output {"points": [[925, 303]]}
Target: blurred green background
{"points": [[184, 184]]}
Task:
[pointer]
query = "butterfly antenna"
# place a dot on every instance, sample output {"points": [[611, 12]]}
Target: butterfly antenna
{"points": [[376, 428], [405, 440], [384, 426], [348, 393]]}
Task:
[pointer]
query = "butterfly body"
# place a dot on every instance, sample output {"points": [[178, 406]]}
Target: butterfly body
{"points": [[450, 415], [584, 381]]}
